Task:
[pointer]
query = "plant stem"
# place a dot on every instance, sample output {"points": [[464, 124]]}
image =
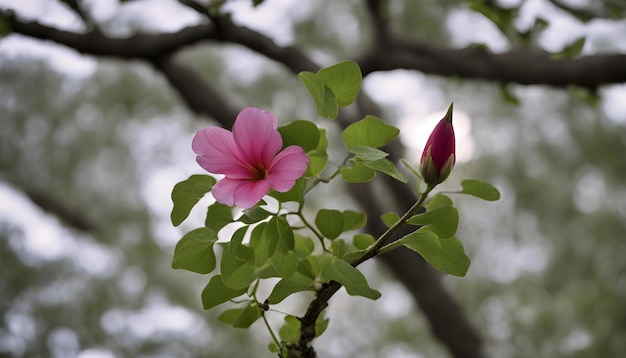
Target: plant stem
{"points": [[375, 249]]}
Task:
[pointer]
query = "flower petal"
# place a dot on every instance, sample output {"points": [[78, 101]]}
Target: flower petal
{"points": [[256, 136], [224, 190], [287, 166], [218, 153], [250, 192]]}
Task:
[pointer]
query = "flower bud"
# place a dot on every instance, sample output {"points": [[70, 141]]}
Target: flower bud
{"points": [[438, 157]]}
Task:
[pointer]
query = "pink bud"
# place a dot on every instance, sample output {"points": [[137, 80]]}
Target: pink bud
{"points": [[438, 157]]}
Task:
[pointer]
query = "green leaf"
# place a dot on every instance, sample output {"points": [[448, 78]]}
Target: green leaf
{"points": [[254, 215], [446, 255], [390, 218], [290, 331], [344, 79], [216, 292], [294, 194], [241, 275], [285, 263], [241, 317], [571, 50], [304, 246], [369, 132], [320, 325], [358, 173], [334, 268], [480, 189], [218, 216], [186, 195], [319, 156], [304, 134], [387, 167], [353, 220], [442, 221], [438, 201], [194, 251], [363, 241], [339, 247], [323, 97], [298, 282], [330, 223], [366, 153], [277, 235]]}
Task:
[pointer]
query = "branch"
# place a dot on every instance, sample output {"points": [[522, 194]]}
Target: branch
{"points": [[70, 217], [142, 46], [516, 66], [197, 94]]}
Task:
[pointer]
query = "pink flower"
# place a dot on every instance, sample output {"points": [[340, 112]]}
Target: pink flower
{"points": [[249, 158], [438, 157]]}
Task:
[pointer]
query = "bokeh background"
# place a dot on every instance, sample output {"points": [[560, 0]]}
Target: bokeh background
{"points": [[91, 146]]}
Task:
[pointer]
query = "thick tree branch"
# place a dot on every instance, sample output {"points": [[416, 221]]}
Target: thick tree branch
{"points": [[199, 96], [515, 66]]}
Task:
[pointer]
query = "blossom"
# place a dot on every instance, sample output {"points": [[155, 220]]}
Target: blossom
{"points": [[249, 157], [438, 157]]}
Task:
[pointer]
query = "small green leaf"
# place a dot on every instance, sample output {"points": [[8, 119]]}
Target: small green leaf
{"points": [[277, 235], [290, 331], [358, 173], [446, 255], [353, 220], [480, 189], [339, 247], [304, 134], [390, 218], [323, 97], [387, 167], [241, 317], [304, 246], [194, 251], [254, 215], [363, 241], [320, 325], [298, 282], [285, 263], [216, 292], [443, 221], [330, 223], [344, 79], [186, 195], [241, 276], [218, 216], [369, 132], [319, 156], [334, 268], [438, 201], [366, 153]]}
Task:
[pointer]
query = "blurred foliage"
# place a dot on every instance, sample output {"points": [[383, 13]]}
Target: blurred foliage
{"points": [[548, 278]]}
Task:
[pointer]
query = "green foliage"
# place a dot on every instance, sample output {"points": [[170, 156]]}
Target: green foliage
{"points": [[194, 251], [242, 317], [334, 268], [333, 87], [443, 221], [217, 216], [276, 249], [216, 292], [480, 189], [445, 254], [357, 173], [369, 132], [186, 195]]}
